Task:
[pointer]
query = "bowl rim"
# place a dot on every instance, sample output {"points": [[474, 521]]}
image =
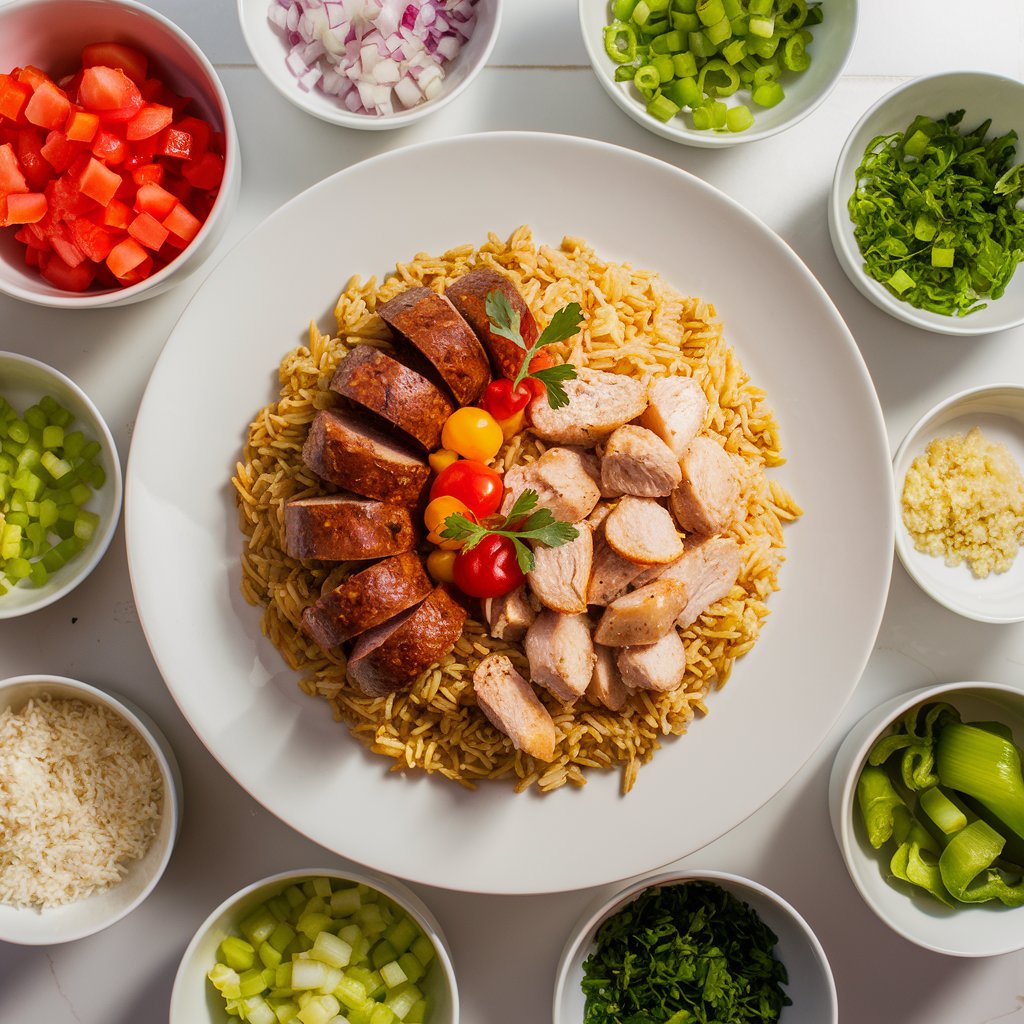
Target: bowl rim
{"points": [[842, 809], [344, 118], [603, 906], [84, 568], [709, 140], [903, 544], [408, 900], [849, 258], [109, 297], [170, 775]]}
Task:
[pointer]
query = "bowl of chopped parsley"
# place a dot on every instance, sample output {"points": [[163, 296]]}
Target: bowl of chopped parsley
{"points": [[686, 949], [926, 210]]}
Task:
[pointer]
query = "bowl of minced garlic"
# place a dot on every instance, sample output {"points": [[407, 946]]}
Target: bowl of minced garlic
{"points": [[960, 490], [89, 809]]}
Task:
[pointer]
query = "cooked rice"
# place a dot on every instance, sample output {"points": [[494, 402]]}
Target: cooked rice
{"points": [[635, 324]]}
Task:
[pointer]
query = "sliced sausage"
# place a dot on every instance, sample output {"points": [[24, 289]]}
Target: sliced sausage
{"points": [[342, 528], [642, 530], [403, 397], [636, 461], [512, 707], [560, 575], [660, 666], [611, 573], [390, 656], [561, 654], [366, 599], [435, 328], [598, 403], [509, 616], [707, 499], [676, 413], [643, 616], [356, 456], [562, 482], [606, 686], [469, 296]]}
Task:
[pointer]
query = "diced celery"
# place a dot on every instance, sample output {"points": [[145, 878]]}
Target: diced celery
{"points": [[258, 927], [286, 1011], [322, 888], [418, 1013], [382, 1015], [401, 1003], [331, 950], [412, 967], [308, 974], [401, 934], [311, 925], [53, 436], [251, 983], [345, 902], [351, 993], [393, 974], [423, 949], [383, 953], [370, 980], [282, 936], [237, 953], [269, 956], [258, 1011]]}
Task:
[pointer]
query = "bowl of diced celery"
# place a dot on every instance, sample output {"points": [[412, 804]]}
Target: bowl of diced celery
{"points": [[60, 485], [714, 73], [318, 947], [927, 804]]}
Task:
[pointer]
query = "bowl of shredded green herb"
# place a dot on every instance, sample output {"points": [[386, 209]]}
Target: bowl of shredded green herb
{"points": [[925, 211], [686, 948]]}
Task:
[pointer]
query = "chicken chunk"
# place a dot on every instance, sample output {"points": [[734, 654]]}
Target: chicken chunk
{"points": [[606, 686], [611, 574], [509, 616], [636, 461], [643, 616], [561, 654], [676, 413], [660, 666], [598, 403], [561, 481], [642, 530], [560, 575], [512, 707], [707, 499]]}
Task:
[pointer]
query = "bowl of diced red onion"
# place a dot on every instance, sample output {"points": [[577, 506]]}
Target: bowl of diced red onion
{"points": [[371, 64]]}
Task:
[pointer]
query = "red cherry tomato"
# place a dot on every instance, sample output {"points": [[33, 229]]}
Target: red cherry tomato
{"points": [[502, 402], [541, 361], [477, 486], [488, 570]]}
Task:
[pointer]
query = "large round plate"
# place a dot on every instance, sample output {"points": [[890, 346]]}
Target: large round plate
{"points": [[220, 366]]}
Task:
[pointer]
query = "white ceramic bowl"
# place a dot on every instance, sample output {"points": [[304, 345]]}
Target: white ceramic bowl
{"points": [[23, 381], [195, 1001], [998, 410], [982, 96], [981, 929], [830, 50], [269, 49], [30, 927], [811, 986], [50, 34]]}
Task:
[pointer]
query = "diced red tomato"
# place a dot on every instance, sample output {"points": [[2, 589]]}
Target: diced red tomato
{"points": [[117, 214], [151, 174], [125, 256], [151, 119], [182, 224], [32, 76], [82, 126], [180, 189], [132, 62], [153, 199], [48, 107], [11, 178], [94, 241], [66, 247], [58, 152], [201, 133], [175, 143], [206, 173], [25, 208], [29, 148], [109, 147], [67, 278], [33, 256], [138, 273], [99, 182], [66, 199], [148, 231], [14, 98], [110, 93]]}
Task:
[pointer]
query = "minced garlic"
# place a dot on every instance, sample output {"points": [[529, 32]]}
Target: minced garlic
{"points": [[963, 499]]}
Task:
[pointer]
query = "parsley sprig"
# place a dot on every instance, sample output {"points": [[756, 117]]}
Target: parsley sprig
{"points": [[540, 525], [564, 324]]}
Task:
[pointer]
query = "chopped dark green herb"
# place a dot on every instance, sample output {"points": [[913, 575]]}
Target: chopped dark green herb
{"points": [[935, 214], [684, 954]]}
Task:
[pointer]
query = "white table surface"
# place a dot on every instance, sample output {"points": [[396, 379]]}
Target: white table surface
{"points": [[506, 948]]}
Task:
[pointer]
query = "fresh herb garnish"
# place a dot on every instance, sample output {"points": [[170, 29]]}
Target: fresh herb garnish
{"points": [[564, 324], [684, 954], [539, 525], [935, 214]]}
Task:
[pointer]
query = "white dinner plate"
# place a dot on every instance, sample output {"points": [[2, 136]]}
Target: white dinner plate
{"points": [[220, 366]]}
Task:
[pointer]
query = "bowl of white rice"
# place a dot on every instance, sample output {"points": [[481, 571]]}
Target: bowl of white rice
{"points": [[90, 808]]}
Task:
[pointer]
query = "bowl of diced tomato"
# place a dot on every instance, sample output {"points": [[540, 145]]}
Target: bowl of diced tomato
{"points": [[119, 160]]}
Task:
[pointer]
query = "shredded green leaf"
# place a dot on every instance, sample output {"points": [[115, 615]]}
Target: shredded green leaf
{"points": [[684, 954], [935, 214]]}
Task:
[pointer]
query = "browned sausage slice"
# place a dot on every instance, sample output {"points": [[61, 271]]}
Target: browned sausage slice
{"points": [[341, 528], [433, 326], [344, 451], [403, 397], [367, 599], [469, 296], [390, 656]]}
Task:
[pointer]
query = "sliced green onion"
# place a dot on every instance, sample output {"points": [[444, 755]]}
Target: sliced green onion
{"points": [[662, 108], [948, 817], [768, 95], [620, 42]]}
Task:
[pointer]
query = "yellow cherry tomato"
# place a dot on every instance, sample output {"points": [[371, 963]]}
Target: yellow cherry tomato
{"points": [[442, 459], [513, 425], [441, 565], [435, 515], [473, 433]]}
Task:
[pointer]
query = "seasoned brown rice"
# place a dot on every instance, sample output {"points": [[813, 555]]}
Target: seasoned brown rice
{"points": [[635, 324]]}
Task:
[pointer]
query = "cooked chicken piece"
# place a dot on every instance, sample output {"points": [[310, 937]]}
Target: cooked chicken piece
{"points": [[561, 654], [707, 499], [509, 616], [660, 666], [598, 403], [561, 481], [512, 707], [601, 512], [677, 410], [611, 573], [643, 616], [606, 686], [642, 530], [637, 461], [592, 464], [559, 575]]}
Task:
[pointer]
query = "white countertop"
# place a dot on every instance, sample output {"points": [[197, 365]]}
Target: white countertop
{"points": [[506, 948]]}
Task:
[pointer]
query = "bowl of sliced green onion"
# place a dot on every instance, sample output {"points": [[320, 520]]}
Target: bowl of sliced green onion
{"points": [[927, 804], [714, 73], [925, 212], [60, 485]]}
